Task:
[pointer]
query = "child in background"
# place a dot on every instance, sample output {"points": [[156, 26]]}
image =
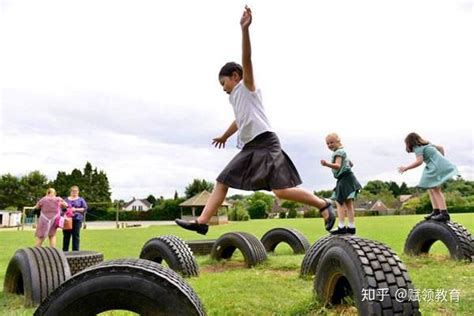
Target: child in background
{"points": [[437, 171], [347, 185], [261, 164]]}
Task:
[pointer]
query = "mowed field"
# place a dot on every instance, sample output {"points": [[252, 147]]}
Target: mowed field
{"points": [[273, 288]]}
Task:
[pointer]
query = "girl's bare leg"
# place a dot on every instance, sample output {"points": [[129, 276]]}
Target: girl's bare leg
{"points": [[439, 197], [341, 214], [215, 201], [434, 201], [303, 196], [350, 212]]}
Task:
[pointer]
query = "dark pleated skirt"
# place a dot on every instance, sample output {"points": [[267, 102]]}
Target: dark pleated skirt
{"points": [[261, 165]]}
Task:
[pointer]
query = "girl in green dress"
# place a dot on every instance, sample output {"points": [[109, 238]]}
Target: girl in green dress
{"points": [[347, 185], [437, 171]]}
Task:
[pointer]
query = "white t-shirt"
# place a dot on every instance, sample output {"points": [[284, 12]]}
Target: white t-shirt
{"points": [[249, 113]]}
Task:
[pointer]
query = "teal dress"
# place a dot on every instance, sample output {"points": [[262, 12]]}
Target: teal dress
{"points": [[438, 169], [347, 185]]}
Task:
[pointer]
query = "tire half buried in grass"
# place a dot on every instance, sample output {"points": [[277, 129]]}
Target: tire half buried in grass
{"points": [[454, 236], [35, 272], [141, 286], [294, 238], [312, 256], [250, 247], [368, 272], [80, 260], [174, 251]]}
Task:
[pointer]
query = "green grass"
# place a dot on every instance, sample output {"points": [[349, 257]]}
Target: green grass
{"points": [[273, 288]]}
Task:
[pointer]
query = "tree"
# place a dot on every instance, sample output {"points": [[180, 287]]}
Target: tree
{"points": [[260, 196], [33, 187], [10, 191], [376, 186], [393, 187], [258, 210], [404, 189], [151, 199], [324, 193], [197, 186], [175, 195]]}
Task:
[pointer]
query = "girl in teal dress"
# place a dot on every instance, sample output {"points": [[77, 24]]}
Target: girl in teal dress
{"points": [[347, 185], [437, 171]]}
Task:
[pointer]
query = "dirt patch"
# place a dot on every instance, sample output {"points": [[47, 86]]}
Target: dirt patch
{"points": [[223, 266]]}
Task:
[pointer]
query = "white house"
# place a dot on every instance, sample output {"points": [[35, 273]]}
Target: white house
{"points": [[137, 205], [10, 218]]}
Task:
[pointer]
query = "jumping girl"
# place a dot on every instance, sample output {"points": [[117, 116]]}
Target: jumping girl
{"points": [[261, 164]]}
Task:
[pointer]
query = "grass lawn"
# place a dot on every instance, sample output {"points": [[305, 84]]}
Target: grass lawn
{"points": [[274, 288]]}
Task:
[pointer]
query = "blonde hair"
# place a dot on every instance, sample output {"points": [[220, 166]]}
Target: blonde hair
{"points": [[51, 191], [335, 136], [74, 187]]}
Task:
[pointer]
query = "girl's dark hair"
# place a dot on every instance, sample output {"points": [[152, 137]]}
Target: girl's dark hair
{"points": [[228, 69], [412, 140]]}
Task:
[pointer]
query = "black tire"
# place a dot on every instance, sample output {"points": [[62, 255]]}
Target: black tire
{"points": [[352, 266], [201, 247], [295, 239], [35, 272], [136, 285], [174, 251], [250, 247], [312, 256], [457, 239], [80, 260]]}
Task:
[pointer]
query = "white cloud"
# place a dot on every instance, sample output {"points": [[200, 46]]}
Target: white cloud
{"points": [[132, 85]]}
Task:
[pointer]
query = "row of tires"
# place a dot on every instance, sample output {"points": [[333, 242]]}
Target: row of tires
{"points": [[342, 266]]}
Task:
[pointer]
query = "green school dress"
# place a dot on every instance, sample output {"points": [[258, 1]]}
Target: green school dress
{"points": [[347, 185], [437, 170]]}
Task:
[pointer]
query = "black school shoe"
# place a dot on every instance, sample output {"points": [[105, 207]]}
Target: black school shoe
{"points": [[329, 222], [193, 225], [351, 230], [433, 213], [443, 216], [339, 231]]}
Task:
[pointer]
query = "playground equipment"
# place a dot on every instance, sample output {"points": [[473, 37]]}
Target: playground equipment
{"points": [[353, 266], [35, 272], [295, 239], [141, 286], [174, 251], [312, 256], [250, 247], [80, 260], [201, 247], [456, 238]]}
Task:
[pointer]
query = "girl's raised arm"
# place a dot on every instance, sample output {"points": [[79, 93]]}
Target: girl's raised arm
{"points": [[245, 22]]}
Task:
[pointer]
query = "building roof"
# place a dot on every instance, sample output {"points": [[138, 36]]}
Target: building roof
{"points": [[405, 197], [144, 201], [379, 206], [200, 199]]}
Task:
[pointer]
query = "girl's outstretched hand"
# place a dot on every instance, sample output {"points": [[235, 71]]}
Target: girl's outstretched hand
{"points": [[219, 142], [324, 163], [246, 19], [402, 169]]}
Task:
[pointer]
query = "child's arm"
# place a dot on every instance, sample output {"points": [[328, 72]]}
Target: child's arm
{"points": [[418, 162], [440, 149], [336, 165], [220, 141], [245, 22]]}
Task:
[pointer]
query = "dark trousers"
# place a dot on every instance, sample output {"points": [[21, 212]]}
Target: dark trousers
{"points": [[75, 233]]}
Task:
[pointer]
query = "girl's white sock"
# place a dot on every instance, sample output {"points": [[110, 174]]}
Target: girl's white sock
{"points": [[341, 224], [351, 225]]}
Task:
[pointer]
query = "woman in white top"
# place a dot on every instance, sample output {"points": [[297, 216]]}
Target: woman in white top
{"points": [[261, 164]]}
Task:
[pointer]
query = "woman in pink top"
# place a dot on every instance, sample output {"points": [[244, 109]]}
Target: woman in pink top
{"points": [[49, 206]]}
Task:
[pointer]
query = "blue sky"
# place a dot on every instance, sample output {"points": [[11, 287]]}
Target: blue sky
{"points": [[131, 86]]}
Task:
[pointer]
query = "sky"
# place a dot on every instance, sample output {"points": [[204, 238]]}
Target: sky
{"points": [[131, 86]]}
